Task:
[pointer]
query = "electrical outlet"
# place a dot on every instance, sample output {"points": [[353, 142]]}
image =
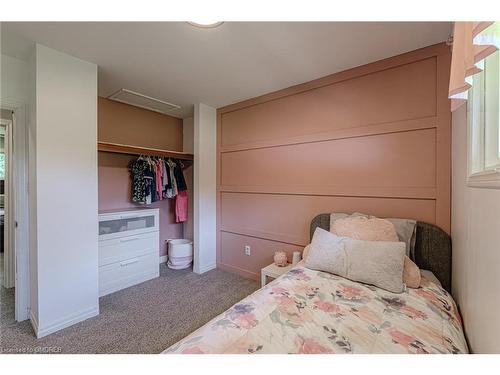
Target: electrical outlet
{"points": [[247, 250]]}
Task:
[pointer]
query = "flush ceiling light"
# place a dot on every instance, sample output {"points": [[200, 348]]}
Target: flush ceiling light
{"points": [[205, 24]]}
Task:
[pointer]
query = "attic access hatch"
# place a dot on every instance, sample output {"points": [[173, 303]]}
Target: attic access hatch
{"points": [[143, 101]]}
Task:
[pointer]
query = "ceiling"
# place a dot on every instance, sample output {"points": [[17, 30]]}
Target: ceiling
{"points": [[182, 64]]}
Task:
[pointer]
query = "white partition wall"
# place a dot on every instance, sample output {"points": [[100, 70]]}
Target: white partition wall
{"points": [[205, 156], [64, 142]]}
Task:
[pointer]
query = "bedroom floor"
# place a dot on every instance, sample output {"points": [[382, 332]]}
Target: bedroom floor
{"points": [[146, 318]]}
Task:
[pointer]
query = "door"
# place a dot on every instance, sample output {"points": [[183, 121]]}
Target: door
{"points": [[17, 215], [9, 246]]}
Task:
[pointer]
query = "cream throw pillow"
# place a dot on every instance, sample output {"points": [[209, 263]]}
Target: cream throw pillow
{"points": [[366, 229], [377, 263], [405, 228], [305, 252], [411, 274]]}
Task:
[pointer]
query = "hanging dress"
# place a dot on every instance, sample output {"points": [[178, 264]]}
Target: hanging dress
{"points": [[137, 169], [179, 176], [172, 190], [149, 183], [159, 178], [165, 179]]}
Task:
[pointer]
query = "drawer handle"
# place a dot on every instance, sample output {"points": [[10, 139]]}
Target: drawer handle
{"points": [[130, 239], [125, 217], [129, 217], [128, 262]]}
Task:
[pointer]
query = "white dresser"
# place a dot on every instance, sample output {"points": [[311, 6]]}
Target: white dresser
{"points": [[129, 250]]}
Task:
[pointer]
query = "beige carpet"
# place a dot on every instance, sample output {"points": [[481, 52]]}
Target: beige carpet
{"points": [[146, 318]]}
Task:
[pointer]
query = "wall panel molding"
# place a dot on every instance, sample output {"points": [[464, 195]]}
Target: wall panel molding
{"points": [[286, 218], [356, 132], [271, 236], [377, 66], [374, 98], [375, 139], [426, 193]]}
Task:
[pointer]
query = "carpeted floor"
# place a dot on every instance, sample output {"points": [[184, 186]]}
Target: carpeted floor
{"points": [[146, 318]]}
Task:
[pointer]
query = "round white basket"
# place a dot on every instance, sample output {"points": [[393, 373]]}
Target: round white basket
{"points": [[180, 254]]}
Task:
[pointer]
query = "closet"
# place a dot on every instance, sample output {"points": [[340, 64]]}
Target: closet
{"points": [[133, 232]]}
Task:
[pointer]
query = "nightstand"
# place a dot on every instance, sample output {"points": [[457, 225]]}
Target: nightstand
{"points": [[273, 271]]}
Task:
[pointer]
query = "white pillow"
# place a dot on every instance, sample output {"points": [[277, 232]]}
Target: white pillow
{"points": [[377, 263]]}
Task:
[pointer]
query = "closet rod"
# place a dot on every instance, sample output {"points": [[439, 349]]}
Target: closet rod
{"points": [[133, 150]]}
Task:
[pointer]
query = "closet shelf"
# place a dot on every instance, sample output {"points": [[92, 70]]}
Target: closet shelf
{"points": [[133, 150]]}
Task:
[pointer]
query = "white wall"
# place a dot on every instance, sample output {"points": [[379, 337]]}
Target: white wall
{"points": [[14, 82], [66, 190], [476, 249], [188, 146], [205, 162]]}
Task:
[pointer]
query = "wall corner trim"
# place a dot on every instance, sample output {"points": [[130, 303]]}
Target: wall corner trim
{"points": [[34, 322]]}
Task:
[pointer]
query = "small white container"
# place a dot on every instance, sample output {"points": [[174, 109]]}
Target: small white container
{"points": [[180, 254]]}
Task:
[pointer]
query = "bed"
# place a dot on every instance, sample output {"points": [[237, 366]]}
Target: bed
{"points": [[308, 311]]}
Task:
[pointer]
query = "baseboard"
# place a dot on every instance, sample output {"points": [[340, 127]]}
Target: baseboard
{"points": [[239, 271], [207, 268], [163, 259], [34, 322], [65, 322]]}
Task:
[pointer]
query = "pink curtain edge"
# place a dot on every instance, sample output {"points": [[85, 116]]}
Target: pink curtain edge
{"points": [[459, 67], [480, 27]]}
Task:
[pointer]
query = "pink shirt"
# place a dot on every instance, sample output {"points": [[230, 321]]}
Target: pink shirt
{"points": [[159, 178], [181, 206]]}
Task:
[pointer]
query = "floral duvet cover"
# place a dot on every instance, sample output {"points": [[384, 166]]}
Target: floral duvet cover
{"points": [[307, 311]]}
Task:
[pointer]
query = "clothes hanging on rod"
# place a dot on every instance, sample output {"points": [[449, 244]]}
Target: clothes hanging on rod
{"points": [[138, 169], [165, 179], [155, 179], [159, 178], [179, 177], [150, 183], [172, 188], [181, 206]]}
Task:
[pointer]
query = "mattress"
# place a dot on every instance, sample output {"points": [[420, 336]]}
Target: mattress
{"points": [[308, 311]]}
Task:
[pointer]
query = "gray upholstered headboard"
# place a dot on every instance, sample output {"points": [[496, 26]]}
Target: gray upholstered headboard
{"points": [[432, 248]]}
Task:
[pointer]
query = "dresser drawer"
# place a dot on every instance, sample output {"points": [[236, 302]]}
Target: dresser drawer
{"points": [[128, 223], [120, 249], [119, 275]]}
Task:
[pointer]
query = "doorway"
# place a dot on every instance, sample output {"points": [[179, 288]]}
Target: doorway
{"points": [[7, 245], [15, 264]]}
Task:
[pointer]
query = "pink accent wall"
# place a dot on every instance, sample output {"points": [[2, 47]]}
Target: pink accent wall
{"points": [[121, 123], [374, 139]]}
